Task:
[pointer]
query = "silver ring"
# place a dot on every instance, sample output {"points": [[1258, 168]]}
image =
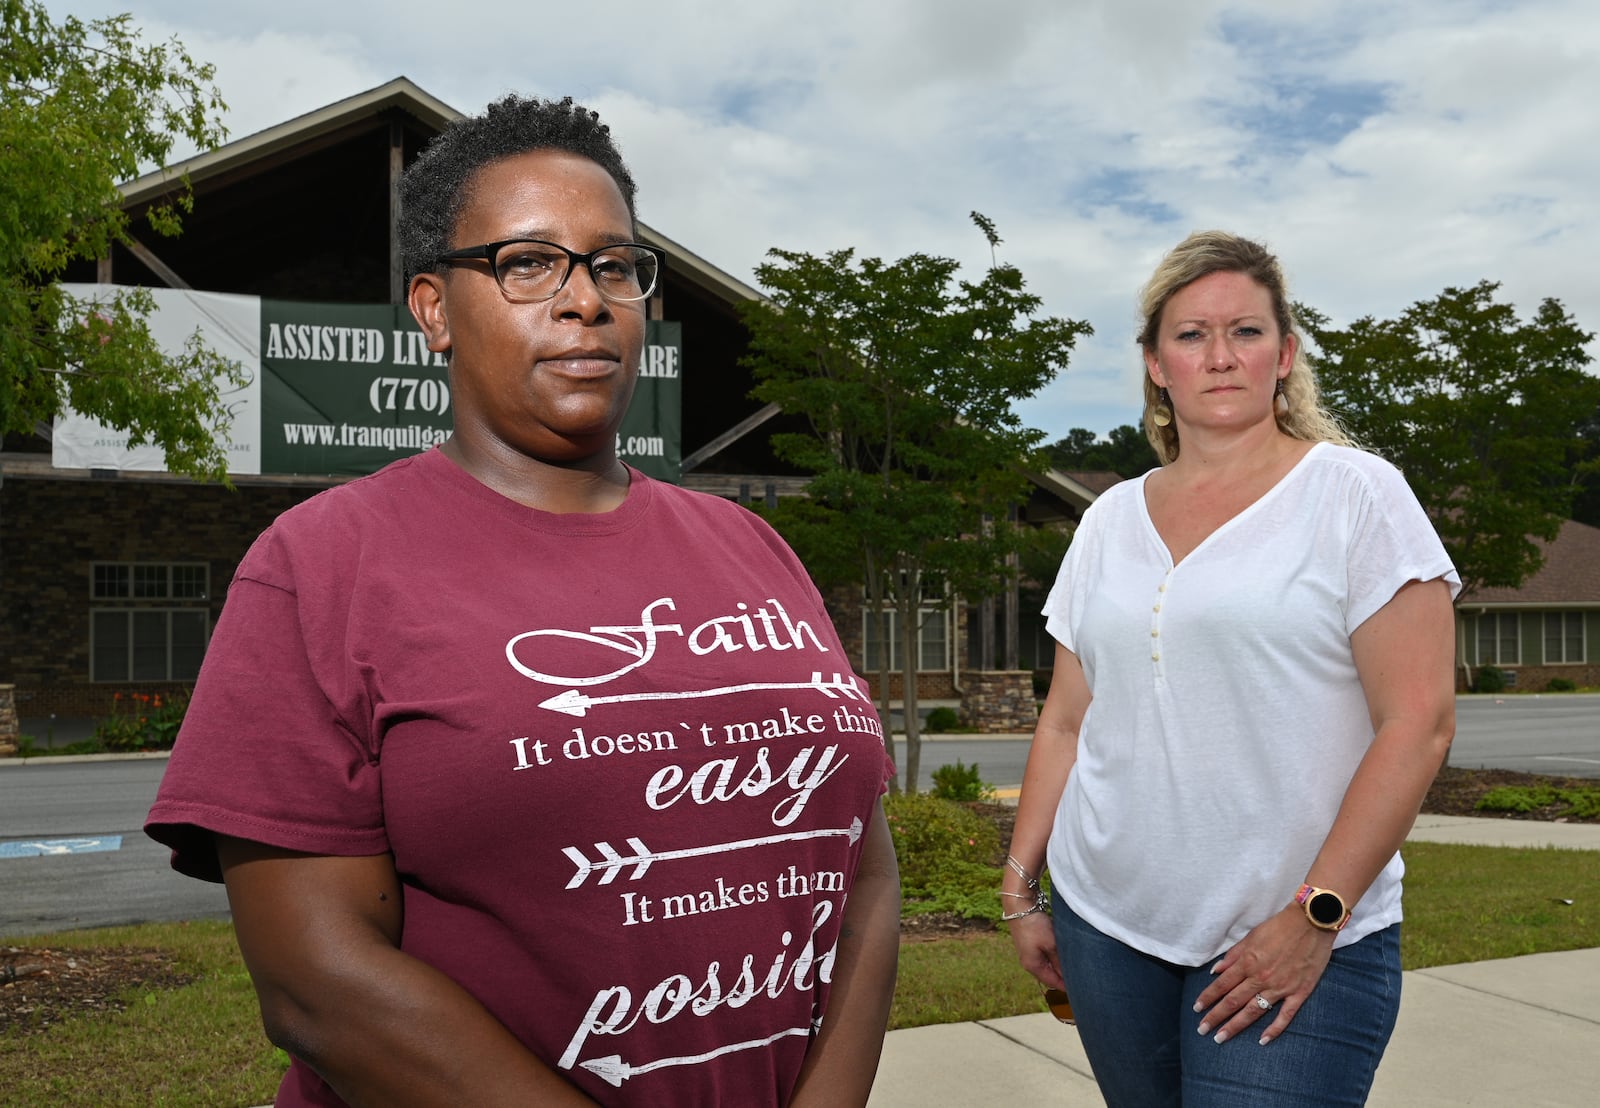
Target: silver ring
{"points": [[1263, 1003]]}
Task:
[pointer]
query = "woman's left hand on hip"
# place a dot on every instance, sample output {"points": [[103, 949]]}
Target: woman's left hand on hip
{"points": [[1267, 974]]}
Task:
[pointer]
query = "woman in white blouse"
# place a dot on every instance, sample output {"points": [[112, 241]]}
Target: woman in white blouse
{"points": [[1252, 692]]}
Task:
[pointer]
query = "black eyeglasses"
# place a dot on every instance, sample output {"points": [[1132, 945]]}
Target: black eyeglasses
{"points": [[530, 270]]}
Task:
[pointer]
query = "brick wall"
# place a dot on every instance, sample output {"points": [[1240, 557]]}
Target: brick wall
{"points": [[50, 534], [1535, 678], [845, 611]]}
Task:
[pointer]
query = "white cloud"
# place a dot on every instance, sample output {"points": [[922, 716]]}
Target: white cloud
{"points": [[1384, 150]]}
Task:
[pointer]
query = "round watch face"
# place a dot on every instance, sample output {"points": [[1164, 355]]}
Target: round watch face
{"points": [[1326, 909]]}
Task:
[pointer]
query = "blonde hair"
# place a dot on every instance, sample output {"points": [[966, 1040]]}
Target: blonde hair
{"points": [[1200, 255]]}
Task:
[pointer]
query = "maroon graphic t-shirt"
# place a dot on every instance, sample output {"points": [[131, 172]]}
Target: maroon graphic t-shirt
{"points": [[621, 761]]}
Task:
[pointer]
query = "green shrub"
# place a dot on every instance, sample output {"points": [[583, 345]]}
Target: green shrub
{"points": [[942, 719], [141, 721], [1518, 798], [1567, 803], [1585, 804], [1491, 679], [931, 832], [1560, 684], [959, 782], [965, 889]]}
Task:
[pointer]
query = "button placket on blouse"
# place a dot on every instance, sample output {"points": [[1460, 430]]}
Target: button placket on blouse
{"points": [[1155, 621]]}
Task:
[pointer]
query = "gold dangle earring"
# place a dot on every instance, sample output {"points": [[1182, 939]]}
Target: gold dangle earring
{"points": [[1280, 401], [1161, 414]]}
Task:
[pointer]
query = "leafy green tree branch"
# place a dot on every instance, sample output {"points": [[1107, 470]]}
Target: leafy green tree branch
{"points": [[1482, 411], [84, 105]]}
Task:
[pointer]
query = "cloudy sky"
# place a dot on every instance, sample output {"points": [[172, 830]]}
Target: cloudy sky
{"points": [[1384, 150]]}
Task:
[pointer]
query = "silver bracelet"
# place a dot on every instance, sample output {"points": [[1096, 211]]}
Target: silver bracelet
{"points": [[1039, 906], [1034, 893], [1016, 867]]}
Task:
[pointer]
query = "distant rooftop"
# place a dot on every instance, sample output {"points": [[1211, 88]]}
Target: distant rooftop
{"points": [[1570, 576], [1096, 481]]}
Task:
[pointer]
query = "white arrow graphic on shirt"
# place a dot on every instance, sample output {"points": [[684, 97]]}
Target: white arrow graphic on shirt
{"points": [[613, 862], [615, 1071], [575, 702]]}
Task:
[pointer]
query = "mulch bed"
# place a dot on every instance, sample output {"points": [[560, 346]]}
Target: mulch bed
{"points": [[1455, 792], [40, 986]]}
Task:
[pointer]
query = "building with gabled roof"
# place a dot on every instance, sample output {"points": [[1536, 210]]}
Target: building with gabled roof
{"points": [[112, 577], [1546, 629]]}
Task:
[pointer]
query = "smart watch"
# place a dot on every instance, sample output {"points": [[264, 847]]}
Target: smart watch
{"points": [[1324, 908]]}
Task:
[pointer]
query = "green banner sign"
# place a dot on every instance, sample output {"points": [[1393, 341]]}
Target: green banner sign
{"points": [[651, 439], [348, 388]]}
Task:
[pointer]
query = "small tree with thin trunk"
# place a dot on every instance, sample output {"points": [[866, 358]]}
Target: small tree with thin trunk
{"points": [[907, 376]]}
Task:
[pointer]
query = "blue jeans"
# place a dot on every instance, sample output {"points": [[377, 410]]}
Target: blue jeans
{"points": [[1137, 1022]]}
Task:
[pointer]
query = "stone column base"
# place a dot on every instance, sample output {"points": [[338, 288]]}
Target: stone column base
{"points": [[1000, 701], [10, 730]]}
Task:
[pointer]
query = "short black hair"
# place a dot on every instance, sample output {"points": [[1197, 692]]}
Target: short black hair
{"points": [[433, 189]]}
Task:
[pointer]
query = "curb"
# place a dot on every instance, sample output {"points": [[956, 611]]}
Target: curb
{"points": [[74, 759]]}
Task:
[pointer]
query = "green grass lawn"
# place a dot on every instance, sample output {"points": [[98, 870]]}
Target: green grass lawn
{"points": [[1462, 904], [1474, 903], [198, 1045], [201, 1044]]}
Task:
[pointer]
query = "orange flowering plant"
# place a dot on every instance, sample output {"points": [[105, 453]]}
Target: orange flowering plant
{"points": [[142, 721]]}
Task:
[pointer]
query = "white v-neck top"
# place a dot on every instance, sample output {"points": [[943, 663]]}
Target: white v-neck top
{"points": [[1227, 715]]}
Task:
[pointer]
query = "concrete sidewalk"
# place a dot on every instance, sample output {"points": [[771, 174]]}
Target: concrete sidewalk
{"points": [[1521, 1031]]}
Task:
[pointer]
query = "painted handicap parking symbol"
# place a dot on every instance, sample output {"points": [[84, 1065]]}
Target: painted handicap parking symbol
{"points": [[31, 848]]}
